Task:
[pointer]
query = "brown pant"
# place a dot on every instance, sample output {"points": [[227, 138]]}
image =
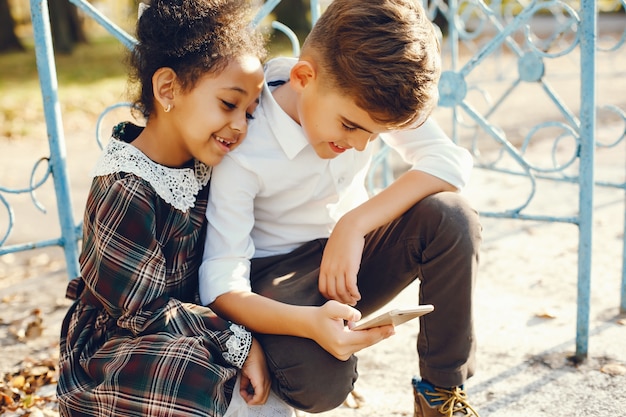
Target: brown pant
{"points": [[436, 241]]}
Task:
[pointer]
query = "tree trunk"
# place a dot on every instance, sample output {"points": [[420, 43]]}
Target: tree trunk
{"points": [[296, 15], [65, 25], [8, 38]]}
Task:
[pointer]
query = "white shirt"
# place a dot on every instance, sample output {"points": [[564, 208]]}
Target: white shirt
{"points": [[273, 193]]}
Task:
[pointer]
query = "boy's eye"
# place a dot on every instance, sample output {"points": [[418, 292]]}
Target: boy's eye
{"points": [[348, 128], [249, 116]]}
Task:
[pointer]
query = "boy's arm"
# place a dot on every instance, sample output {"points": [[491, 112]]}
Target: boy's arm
{"points": [[437, 164], [228, 246], [342, 255], [429, 149]]}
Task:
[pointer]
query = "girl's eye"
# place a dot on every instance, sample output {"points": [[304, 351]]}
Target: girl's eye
{"points": [[229, 106], [348, 128]]}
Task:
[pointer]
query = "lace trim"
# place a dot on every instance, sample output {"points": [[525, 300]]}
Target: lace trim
{"points": [[177, 186], [238, 346]]}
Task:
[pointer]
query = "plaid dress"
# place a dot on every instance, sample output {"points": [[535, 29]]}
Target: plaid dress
{"points": [[135, 342]]}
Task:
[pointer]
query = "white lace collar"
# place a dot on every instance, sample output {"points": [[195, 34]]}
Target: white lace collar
{"points": [[177, 186]]}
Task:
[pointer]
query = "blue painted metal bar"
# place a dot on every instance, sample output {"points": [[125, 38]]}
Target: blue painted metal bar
{"points": [[31, 245], [453, 42], [56, 139], [587, 161], [316, 10], [265, 10], [127, 40], [33, 185], [295, 43]]}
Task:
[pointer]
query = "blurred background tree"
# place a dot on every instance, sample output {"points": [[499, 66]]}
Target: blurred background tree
{"points": [[66, 26], [8, 39], [296, 14]]}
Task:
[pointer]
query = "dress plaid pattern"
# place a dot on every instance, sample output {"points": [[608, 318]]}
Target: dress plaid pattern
{"points": [[135, 342]]}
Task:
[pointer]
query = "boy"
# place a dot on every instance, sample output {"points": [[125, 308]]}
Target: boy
{"points": [[293, 241]]}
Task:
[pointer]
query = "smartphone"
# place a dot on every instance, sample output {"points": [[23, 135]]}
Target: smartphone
{"points": [[396, 317]]}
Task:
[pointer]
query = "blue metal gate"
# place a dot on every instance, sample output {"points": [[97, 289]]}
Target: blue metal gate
{"points": [[486, 30]]}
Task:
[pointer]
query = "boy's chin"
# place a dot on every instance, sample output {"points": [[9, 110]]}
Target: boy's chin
{"points": [[325, 152], [328, 155]]}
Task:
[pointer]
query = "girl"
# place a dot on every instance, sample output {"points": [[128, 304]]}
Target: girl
{"points": [[135, 341]]}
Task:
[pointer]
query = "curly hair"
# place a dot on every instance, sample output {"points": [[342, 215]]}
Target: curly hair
{"points": [[193, 37], [384, 54]]}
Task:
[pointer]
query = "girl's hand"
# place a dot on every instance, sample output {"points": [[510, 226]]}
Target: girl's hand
{"points": [[255, 382], [340, 265], [329, 331]]}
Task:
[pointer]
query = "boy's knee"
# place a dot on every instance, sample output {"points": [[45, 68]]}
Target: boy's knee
{"points": [[320, 391], [448, 215], [453, 210], [315, 381]]}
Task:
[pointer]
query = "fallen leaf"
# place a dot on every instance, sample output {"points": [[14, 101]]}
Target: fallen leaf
{"points": [[18, 381], [34, 329], [28, 401], [27, 328], [613, 369], [5, 400], [31, 390], [546, 314]]}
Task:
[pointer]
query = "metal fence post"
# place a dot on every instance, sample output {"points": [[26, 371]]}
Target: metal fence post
{"points": [[52, 111], [587, 154]]}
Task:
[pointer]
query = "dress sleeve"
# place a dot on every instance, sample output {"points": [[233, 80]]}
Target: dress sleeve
{"points": [[128, 273]]}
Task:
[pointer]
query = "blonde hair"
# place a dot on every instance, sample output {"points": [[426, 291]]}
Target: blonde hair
{"points": [[384, 54]]}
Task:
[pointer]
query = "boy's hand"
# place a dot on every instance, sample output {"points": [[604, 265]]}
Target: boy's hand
{"points": [[332, 335], [340, 265], [255, 382]]}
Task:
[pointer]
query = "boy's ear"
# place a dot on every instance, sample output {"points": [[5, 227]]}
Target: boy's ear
{"points": [[163, 85], [302, 74]]}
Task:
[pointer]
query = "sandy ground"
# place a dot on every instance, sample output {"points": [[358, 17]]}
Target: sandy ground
{"points": [[525, 301]]}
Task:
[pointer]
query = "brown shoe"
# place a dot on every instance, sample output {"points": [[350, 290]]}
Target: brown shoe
{"points": [[431, 401]]}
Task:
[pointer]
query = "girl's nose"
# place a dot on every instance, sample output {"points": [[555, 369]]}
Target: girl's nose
{"points": [[239, 124]]}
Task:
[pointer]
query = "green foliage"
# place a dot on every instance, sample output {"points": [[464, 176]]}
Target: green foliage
{"points": [[101, 58], [90, 79], [93, 77]]}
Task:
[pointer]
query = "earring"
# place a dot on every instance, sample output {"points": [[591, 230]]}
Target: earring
{"points": [[168, 108]]}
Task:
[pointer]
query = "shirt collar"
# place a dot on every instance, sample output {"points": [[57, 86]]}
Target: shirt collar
{"points": [[287, 132]]}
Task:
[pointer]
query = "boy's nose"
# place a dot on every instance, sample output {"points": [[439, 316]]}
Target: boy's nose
{"points": [[359, 144]]}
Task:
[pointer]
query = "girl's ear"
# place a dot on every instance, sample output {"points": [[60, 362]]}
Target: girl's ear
{"points": [[302, 74], [163, 85]]}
